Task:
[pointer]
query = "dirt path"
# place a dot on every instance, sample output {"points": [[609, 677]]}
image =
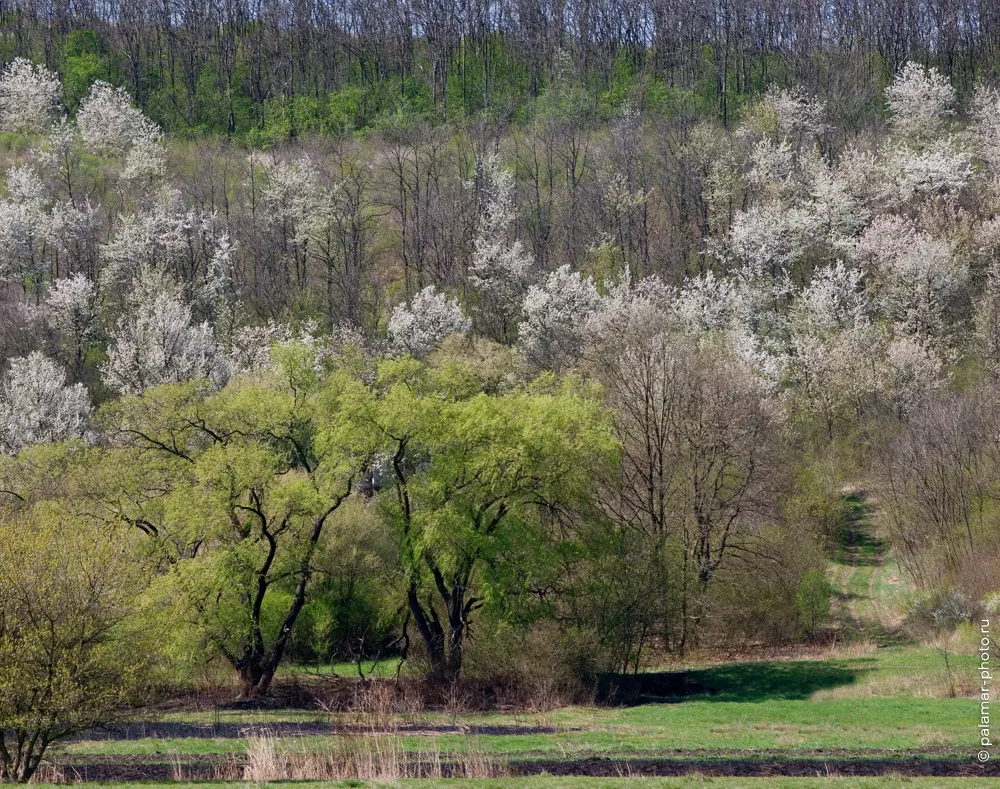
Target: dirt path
{"points": [[861, 576]]}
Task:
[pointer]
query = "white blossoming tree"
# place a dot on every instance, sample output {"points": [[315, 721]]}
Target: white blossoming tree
{"points": [[419, 327], [71, 311], [987, 322], [555, 319], [985, 112], [834, 300], [29, 98], [156, 342], [914, 275], [914, 369], [706, 302], [23, 222], [111, 125], [72, 234], [36, 405], [798, 112], [920, 101], [502, 269], [940, 169], [824, 366]]}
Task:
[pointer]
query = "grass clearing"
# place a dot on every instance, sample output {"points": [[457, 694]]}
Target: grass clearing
{"points": [[873, 698]]}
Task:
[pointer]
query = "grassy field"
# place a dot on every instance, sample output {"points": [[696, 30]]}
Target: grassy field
{"points": [[873, 703]]}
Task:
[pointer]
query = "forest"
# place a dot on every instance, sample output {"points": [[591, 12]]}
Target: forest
{"points": [[504, 349]]}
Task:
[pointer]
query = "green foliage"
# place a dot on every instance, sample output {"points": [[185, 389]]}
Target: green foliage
{"points": [[84, 61], [474, 476], [812, 599], [234, 492], [71, 654]]}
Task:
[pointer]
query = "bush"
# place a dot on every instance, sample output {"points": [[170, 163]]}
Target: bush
{"points": [[812, 599]]}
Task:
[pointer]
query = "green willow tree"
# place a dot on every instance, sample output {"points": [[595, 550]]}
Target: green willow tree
{"points": [[468, 482], [233, 491]]}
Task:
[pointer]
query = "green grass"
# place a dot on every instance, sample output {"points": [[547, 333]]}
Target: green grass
{"points": [[900, 723], [371, 668]]}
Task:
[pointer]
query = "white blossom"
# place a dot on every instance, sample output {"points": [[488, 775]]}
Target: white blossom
{"points": [[419, 327], [772, 164], [987, 320], [249, 352], [798, 112], [920, 101], [251, 348], [985, 113], [70, 308], [913, 370], [146, 160], [22, 226], [289, 192], [838, 212], [706, 302], [501, 270], [772, 235], [166, 236], [914, 275], [762, 358], [155, 341], [940, 169], [555, 318], [73, 229], [834, 299], [29, 97], [111, 125], [647, 305], [36, 405]]}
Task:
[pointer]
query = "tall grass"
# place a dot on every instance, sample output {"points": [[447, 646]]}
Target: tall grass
{"points": [[363, 757]]}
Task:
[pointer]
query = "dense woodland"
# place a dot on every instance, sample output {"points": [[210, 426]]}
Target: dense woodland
{"points": [[526, 343]]}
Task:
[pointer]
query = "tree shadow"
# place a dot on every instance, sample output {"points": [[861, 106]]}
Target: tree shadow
{"points": [[747, 682]]}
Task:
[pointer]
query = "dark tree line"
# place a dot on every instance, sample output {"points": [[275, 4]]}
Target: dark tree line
{"points": [[233, 66]]}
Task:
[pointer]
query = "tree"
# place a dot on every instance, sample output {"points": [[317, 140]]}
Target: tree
{"points": [[71, 310], [36, 405], [935, 483], [935, 617], [23, 222], [29, 97], [419, 327], [914, 276], [501, 269], [235, 491], [468, 479], [920, 101], [699, 454], [555, 319], [72, 656], [111, 125], [155, 342]]}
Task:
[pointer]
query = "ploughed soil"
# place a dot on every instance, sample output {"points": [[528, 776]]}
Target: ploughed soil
{"points": [[761, 767], [934, 762], [160, 730]]}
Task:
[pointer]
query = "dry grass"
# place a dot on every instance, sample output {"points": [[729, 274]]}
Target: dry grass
{"points": [[854, 648], [366, 758], [49, 774], [184, 771]]}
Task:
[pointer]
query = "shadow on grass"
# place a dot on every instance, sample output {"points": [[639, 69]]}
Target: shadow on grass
{"points": [[746, 682]]}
